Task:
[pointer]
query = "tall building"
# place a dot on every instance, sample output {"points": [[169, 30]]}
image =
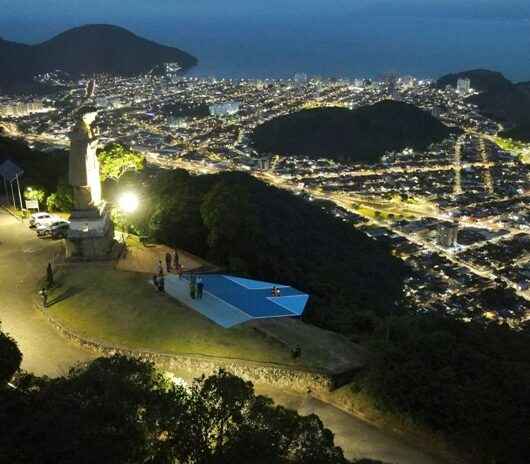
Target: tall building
{"points": [[463, 86], [263, 164], [447, 235], [90, 88]]}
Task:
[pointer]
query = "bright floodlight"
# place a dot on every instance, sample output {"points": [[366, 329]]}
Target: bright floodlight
{"points": [[128, 202]]}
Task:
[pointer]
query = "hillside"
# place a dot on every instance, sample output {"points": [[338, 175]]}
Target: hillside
{"points": [[361, 135], [500, 99], [85, 50], [482, 80], [252, 229]]}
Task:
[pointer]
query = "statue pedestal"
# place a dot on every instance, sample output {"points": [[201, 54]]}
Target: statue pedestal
{"points": [[91, 235]]}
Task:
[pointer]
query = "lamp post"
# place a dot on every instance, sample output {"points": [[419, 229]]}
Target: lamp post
{"points": [[127, 204]]}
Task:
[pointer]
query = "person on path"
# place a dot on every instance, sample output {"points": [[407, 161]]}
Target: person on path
{"points": [[44, 295], [161, 285], [180, 270], [155, 280], [49, 275], [200, 287], [168, 262], [160, 268]]}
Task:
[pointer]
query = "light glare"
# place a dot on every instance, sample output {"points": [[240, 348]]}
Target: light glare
{"points": [[128, 202]]}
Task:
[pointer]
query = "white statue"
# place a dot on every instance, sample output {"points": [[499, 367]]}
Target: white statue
{"points": [[83, 161]]}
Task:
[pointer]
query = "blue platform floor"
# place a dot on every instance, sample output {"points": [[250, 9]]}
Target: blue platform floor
{"points": [[209, 306], [229, 301]]}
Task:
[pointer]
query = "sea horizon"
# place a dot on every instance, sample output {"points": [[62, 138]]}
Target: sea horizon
{"points": [[364, 47]]}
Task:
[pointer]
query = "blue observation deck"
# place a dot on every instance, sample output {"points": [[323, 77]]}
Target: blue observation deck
{"points": [[229, 300]]}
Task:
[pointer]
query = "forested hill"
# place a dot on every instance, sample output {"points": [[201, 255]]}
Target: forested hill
{"points": [[86, 50], [361, 135], [499, 98], [253, 229], [482, 80]]}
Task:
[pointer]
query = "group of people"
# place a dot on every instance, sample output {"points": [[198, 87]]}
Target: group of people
{"points": [[173, 262], [275, 291]]}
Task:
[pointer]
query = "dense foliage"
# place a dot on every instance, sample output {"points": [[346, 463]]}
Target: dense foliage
{"points": [[62, 199], [361, 135], [121, 410], [115, 160], [257, 230], [467, 380], [10, 359]]}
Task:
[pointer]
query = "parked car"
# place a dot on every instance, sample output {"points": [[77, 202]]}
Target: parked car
{"points": [[37, 217], [47, 221], [57, 229]]}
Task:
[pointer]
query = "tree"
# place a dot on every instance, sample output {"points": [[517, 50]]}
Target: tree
{"points": [[10, 358], [35, 193], [115, 160], [229, 423], [230, 217], [466, 380], [101, 412], [122, 410], [62, 199]]}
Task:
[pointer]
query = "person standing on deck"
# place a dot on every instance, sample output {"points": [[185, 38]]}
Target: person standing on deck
{"points": [[200, 287]]}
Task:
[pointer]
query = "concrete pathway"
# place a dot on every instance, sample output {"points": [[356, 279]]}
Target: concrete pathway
{"points": [[23, 260]]}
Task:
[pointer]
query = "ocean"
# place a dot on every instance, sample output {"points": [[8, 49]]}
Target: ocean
{"points": [[264, 42]]}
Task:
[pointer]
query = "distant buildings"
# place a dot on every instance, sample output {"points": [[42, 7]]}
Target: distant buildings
{"points": [[176, 122], [301, 78], [23, 109], [225, 109], [463, 86], [447, 235], [263, 164]]}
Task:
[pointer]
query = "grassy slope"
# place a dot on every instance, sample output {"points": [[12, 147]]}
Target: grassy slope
{"points": [[122, 308]]}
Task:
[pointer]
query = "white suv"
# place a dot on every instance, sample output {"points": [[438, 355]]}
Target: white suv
{"points": [[42, 219], [34, 218]]}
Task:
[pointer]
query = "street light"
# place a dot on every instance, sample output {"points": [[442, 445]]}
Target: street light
{"points": [[128, 202]]}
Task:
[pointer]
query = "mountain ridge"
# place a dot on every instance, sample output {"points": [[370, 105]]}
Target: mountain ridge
{"points": [[85, 50]]}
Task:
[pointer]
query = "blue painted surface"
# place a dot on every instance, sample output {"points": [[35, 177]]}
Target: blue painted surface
{"points": [[229, 301], [294, 303], [210, 306], [253, 284], [254, 297]]}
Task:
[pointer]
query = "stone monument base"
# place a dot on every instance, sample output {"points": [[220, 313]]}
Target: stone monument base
{"points": [[90, 236]]}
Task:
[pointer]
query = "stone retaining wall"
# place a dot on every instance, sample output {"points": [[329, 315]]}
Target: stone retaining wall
{"points": [[284, 377]]}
